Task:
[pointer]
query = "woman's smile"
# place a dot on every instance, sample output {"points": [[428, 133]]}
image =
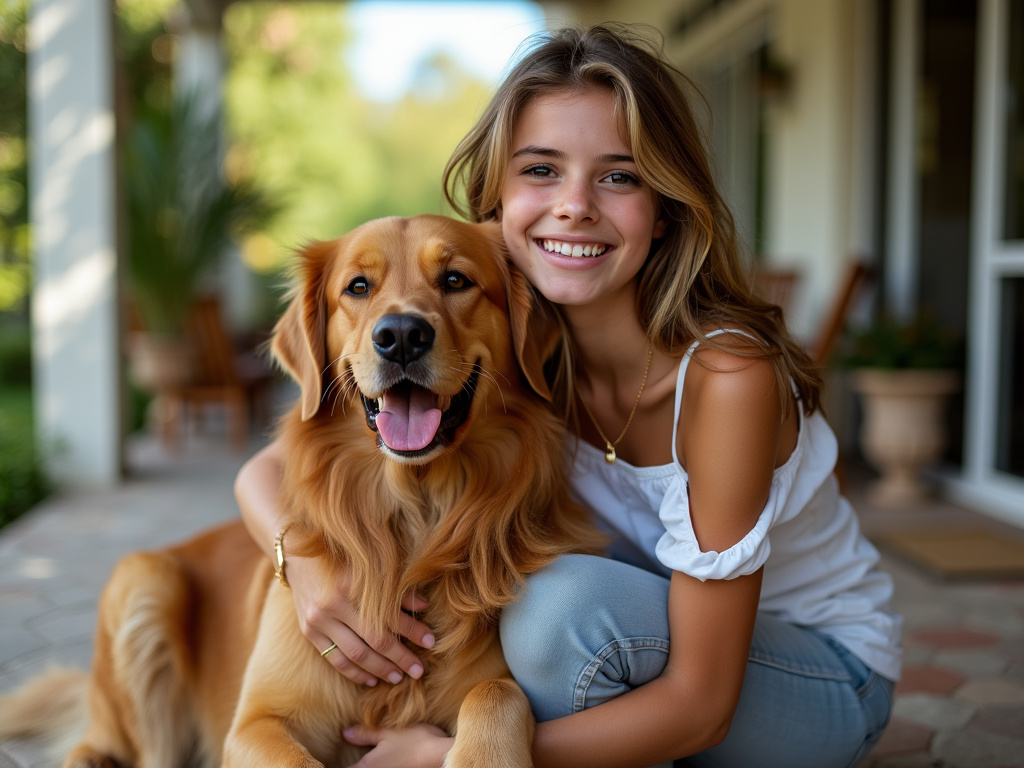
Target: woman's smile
{"points": [[574, 250]]}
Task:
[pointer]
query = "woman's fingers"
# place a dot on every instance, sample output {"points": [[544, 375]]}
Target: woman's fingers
{"points": [[344, 641], [416, 631], [383, 657]]}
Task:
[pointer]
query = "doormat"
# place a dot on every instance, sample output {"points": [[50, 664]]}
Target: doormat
{"points": [[967, 553]]}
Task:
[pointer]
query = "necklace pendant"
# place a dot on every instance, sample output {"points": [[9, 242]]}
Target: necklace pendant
{"points": [[609, 453]]}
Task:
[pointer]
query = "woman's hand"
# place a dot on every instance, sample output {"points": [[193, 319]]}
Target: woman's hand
{"points": [[327, 616], [418, 746]]}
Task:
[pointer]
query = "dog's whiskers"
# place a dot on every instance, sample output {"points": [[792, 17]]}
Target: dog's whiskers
{"points": [[486, 374], [341, 386], [334, 379]]}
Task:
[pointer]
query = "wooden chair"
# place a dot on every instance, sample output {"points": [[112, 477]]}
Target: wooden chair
{"points": [[858, 274], [239, 381], [776, 284]]}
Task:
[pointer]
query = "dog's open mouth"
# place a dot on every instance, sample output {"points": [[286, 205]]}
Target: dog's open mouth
{"points": [[408, 420]]}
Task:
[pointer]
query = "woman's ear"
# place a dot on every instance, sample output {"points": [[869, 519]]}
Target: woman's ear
{"points": [[660, 227]]}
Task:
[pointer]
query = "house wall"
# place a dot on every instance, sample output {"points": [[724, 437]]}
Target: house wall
{"points": [[820, 153]]}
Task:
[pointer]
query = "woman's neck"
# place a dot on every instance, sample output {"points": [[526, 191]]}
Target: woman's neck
{"points": [[608, 339]]}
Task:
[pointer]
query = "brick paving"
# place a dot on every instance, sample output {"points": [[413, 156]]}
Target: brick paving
{"points": [[960, 703]]}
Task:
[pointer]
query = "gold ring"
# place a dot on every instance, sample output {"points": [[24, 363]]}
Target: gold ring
{"points": [[331, 647]]}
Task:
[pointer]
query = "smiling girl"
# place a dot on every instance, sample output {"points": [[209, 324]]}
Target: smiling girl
{"points": [[741, 619]]}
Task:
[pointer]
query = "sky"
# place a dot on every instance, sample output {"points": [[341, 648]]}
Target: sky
{"points": [[393, 36]]}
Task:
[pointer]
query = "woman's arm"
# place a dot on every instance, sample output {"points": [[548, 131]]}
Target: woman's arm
{"points": [[325, 614]]}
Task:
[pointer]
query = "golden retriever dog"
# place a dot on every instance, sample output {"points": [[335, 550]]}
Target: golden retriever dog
{"points": [[420, 456]]}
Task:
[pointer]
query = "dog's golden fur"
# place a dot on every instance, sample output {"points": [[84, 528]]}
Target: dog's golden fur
{"points": [[197, 648]]}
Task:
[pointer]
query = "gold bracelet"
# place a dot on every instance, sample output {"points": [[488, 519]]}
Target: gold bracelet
{"points": [[279, 556]]}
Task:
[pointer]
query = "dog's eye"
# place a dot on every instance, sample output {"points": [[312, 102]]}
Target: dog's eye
{"points": [[358, 287], [456, 281]]}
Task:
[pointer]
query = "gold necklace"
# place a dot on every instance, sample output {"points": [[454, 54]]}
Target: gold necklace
{"points": [[609, 446]]}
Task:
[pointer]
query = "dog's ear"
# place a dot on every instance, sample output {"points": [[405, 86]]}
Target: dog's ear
{"points": [[299, 337], [536, 329]]}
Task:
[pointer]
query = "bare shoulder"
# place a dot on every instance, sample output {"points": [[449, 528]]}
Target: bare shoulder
{"points": [[735, 370]]}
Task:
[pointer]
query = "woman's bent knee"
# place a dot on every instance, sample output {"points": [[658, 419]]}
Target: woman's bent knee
{"points": [[549, 608], [564, 639]]}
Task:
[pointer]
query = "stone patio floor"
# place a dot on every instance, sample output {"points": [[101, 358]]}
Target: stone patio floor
{"points": [[960, 703]]}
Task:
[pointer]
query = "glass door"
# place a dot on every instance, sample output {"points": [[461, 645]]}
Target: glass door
{"points": [[994, 471]]}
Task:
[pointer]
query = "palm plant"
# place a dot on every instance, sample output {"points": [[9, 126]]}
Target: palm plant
{"points": [[181, 213]]}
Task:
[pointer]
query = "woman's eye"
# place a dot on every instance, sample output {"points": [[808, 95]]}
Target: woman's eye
{"points": [[540, 171], [455, 281], [358, 287], [622, 179]]}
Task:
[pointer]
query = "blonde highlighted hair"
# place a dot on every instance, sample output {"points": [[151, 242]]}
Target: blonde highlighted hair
{"points": [[694, 279]]}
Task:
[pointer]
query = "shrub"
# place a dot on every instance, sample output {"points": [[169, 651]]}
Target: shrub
{"points": [[23, 481], [15, 355], [920, 343]]}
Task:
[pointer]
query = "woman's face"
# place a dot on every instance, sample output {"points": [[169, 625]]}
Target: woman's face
{"points": [[576, 216]]}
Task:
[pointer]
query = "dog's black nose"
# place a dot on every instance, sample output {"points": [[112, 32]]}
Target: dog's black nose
{"points": [[402, 338]]}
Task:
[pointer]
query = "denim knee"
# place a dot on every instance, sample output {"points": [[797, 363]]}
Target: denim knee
{"points": [[586, 629], [534, 629]]}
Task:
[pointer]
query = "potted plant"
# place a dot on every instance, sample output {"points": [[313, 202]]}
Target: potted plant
{"points": [[180, 214], [904, 374]]}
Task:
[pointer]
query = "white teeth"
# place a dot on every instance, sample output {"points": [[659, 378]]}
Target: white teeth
{"points": [[380, 403], [575, 251]]}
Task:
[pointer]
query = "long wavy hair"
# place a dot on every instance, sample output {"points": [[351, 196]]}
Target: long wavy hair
{"points": [[695, 278]]}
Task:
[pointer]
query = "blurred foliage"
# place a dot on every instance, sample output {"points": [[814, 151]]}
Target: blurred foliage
{"points": [[181, 215], [15, 353], [921, 343], [14, 231], [23, 481], [144, 53], [334, 157]]}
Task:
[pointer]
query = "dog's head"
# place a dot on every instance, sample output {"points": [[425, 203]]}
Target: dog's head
{"points": [[417, 322]]}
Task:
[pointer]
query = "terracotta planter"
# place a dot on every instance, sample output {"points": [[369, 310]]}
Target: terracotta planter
{"points": [[160, 364], [904, 428]]}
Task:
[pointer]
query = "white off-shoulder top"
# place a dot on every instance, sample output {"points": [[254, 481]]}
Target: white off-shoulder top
{"points": [[819, 571]]}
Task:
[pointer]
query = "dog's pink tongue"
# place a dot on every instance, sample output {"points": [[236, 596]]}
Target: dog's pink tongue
{"points": [[408, 419]]}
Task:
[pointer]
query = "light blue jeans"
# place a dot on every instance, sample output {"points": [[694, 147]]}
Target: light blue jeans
{"points": [[587, 629]]}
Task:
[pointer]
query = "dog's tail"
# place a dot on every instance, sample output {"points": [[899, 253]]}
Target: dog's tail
{"points": [[52, 707]]}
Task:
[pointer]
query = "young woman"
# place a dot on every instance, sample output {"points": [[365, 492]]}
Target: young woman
{"points": [[700, 447]]}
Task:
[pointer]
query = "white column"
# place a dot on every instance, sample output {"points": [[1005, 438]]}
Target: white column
{"points": [[75, 298]]}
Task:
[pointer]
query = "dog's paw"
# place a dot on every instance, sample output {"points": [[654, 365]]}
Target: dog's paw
{"points": [[84, 756]]}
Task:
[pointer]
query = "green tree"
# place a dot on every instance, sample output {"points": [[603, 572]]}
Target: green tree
{"points": [[302, 130], [14, 230]]}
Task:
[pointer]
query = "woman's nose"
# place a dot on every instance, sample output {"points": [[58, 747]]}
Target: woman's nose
{"points": [[575, 201]]}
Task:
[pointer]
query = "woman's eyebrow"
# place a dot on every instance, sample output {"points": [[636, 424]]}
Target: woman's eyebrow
{"points": [[559, 155], [532, 149]]}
